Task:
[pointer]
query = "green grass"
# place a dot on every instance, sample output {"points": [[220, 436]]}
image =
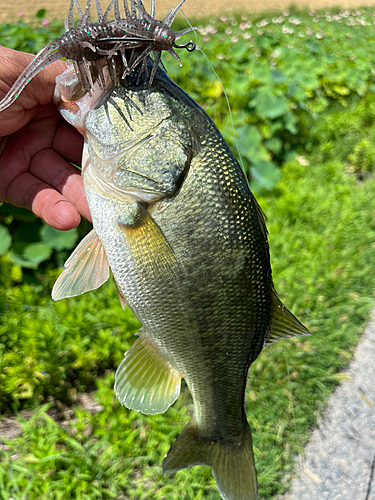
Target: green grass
{"points": [[55, 349], [277, 68], [322, 234]]}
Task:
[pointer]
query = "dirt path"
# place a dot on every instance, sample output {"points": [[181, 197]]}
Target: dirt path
{"points": [[339, 460], [57, 9]]}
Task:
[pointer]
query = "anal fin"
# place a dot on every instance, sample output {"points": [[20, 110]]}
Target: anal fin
{"points": [[86, 269], [145, 381], [284, 324]]}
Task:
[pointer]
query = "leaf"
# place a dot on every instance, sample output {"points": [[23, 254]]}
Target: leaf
{"points": [[341, 90], [271, 106], [313, 46], [59, 240], [239, 51], [250, 144], [290, 123], [297, 92], [239, 84], [278, 76], [5, 240], [274, 144], [266, 174], [37, 252], [32, 255], [248, 139], [214, 90], [361, 87], [41, 13], [16, 258]]}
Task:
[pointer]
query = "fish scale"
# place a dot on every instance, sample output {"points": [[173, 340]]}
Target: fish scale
{"points": [[224, 306], [186, 241]]}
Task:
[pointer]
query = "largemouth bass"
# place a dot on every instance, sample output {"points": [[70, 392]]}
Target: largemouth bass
{"points": [[175, 220]]}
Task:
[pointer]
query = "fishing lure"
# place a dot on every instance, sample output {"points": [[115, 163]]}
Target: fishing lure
{"points": [[90, 45]]}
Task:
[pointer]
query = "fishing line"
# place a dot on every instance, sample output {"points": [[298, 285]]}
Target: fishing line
{"points": [[222, 86], [300, 459]]}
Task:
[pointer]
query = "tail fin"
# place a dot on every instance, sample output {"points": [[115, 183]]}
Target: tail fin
{"points": [[232, 464]]}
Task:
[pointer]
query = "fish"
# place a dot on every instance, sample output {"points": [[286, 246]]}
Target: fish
{"points": [[176, 222]]}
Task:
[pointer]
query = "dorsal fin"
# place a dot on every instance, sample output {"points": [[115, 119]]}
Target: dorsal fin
{"points": [[261, 217], [284, 324]]}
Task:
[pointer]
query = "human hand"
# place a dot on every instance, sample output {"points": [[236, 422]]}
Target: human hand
{"points": [[36, 146]]}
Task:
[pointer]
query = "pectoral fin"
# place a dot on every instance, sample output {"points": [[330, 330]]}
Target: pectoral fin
{"points": [[150, 248], [120, 296], [145, 381], [284, 324], [86, 269]]}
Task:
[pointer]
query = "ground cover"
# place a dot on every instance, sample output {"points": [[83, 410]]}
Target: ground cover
{"points": [[57, 9], [320, 208]]}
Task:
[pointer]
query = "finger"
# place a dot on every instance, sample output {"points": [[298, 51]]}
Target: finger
{"points": [[68, 135], [38, 91], [53, 170], [27, 191], [22, 146]]}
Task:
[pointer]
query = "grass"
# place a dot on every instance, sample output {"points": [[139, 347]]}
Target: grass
{"points": [[322, 233], [321, 224]]}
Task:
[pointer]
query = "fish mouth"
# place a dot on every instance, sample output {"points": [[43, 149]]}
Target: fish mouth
{"points": [[73, 107]]}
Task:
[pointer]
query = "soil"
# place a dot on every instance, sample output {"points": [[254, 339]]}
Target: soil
{"points": [[58, 9], [10, 428]]}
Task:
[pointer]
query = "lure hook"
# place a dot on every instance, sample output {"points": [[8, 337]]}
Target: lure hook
{"points": [[190, 46]]}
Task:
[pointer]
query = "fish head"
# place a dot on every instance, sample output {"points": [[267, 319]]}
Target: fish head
{"points": [[137, 142], [137, 139]]}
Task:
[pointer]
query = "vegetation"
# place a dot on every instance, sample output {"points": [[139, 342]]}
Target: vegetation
{"points": [[276, 70], [320, 208]]}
